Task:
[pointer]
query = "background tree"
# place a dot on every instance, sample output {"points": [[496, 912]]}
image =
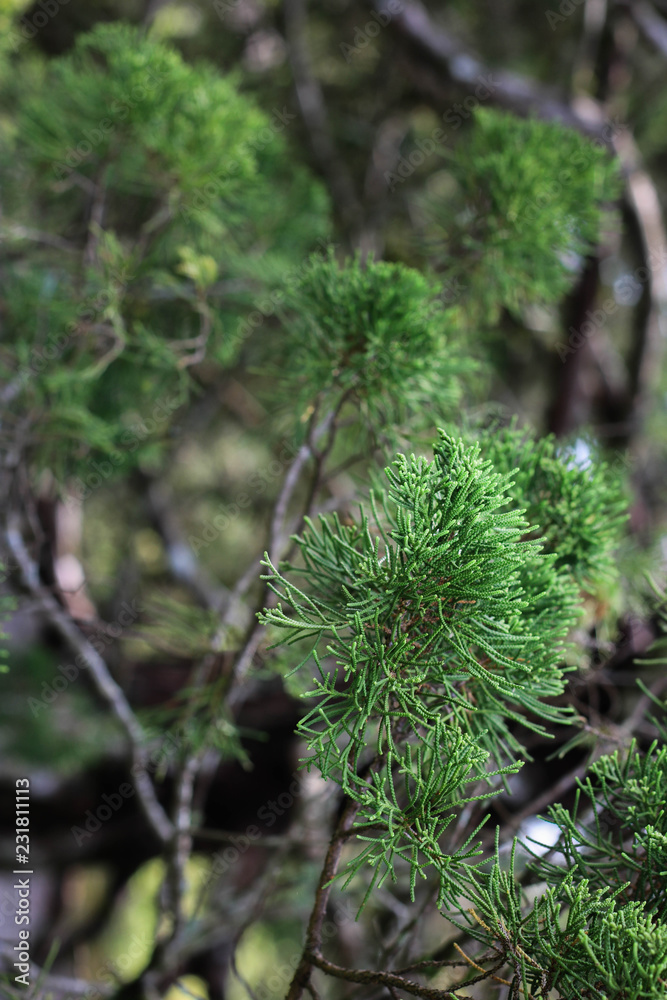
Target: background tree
{"points": [[207, 364]]}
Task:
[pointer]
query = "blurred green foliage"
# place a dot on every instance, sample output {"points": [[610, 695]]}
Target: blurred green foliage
{"points": [[529, 203], [166, 194], [166, 313]]}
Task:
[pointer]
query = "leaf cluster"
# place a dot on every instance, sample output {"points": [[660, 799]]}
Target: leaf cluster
{"points": [[582, 941], [138, 185], [597, 931], [577, 509], [616, 833], [529, 204], [428, 642], [376, 333]]}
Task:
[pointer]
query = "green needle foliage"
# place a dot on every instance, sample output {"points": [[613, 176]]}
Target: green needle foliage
{"points": [[529, 204], [616, 833], [153, 177], [157, 219], [578, 509], [429, 637], [599, 930], [582, 941], [377, 334], [436, 623]]}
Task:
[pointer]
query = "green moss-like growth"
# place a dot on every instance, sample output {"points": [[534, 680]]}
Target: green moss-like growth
{"points": [[528, 206]]}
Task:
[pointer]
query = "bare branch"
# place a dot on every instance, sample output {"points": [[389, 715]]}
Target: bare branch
{"points": [[370, 976], [106, 686], [644, 202], [650, 23], [314, 113], [35, 236], [510, 90], [182, 561], [318, 914]]}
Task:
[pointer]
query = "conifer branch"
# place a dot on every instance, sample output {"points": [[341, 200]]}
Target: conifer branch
{"points": [[389, 979], [318, 914], [432, 634]]}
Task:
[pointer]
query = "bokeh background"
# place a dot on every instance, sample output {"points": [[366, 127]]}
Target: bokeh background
{"points": [[355, 114]]}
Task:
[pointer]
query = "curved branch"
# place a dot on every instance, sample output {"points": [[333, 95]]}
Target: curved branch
{"points": [[388, 979], [510, 90], [107, 687]]}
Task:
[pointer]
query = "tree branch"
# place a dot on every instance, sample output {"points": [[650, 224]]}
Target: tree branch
{"points": [[389, 979], [106, 686], [644, 202], [314, 932], [650, 23], [314, 113], [510, 90]]}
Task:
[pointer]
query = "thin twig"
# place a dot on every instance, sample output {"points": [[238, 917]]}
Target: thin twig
{"points": [[314, 113], [228, 837], [182, 842], [35, 236], [276, 537], [370, 976], [277, 533], [405, 932], [255, 910], [106, 686], [196, 344], [314, 932], [644, 202], [303, 455], [182, 560], [97, 208], [181, 845]]}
